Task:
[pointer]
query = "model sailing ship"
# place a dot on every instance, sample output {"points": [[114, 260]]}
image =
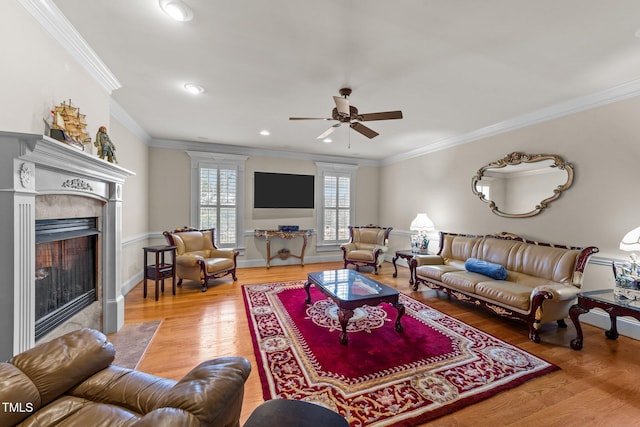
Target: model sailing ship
{"points": [[69, 125]]}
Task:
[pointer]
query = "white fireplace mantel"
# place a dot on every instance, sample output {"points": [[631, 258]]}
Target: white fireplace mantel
{"points": [[35, 164]]}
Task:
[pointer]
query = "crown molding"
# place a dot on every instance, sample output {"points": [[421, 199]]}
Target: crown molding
{"points": [[53, 20], [256, 152], [120, 114], [573, 106]]}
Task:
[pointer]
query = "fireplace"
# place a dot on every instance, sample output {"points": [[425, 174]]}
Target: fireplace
{"points": [[42, 178], [66, 270]]}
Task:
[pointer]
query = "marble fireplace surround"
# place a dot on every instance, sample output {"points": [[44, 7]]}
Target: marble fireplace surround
{"points": [[36, 165]]}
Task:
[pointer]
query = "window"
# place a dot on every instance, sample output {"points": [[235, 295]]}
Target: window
{"points": [[336, 205], [217, 189]]}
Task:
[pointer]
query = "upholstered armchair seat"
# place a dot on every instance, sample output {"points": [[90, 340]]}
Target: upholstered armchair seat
{"points": [[198, 258], [367, 246]]}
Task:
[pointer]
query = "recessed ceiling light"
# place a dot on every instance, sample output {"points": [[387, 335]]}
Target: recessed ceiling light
{"points": [[327, 140], [177, 10], [265, 132], [193, 89]]}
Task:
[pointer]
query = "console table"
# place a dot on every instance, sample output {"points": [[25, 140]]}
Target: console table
{"points": [[287, 235], [607, 301]]}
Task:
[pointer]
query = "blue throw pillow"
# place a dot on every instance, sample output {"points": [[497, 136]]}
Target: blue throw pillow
{"points": [[495, 271]]}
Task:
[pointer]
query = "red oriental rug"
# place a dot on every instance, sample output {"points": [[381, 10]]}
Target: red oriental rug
{"points": [[381, 377]]}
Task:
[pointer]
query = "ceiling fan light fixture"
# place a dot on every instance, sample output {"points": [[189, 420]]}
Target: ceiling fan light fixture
{"points": [[177, 10], [193, 88], [265, 132]]}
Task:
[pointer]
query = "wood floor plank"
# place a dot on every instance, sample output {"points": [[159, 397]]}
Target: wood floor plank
{"points": [[596, 386]]}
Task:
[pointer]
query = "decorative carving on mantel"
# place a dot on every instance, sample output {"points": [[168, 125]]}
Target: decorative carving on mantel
{"points": [[77, 184], [26, 175]]}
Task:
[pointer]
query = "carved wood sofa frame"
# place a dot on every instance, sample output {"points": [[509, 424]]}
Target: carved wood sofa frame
{"points": [[535, 314]]}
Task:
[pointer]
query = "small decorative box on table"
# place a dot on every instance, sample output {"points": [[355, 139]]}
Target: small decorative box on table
{"points": [[160, 268]]}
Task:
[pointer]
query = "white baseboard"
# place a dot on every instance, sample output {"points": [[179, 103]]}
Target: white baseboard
{"points": [[131, 283], [626, 326]]}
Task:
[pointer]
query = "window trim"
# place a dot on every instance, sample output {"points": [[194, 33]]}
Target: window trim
{"points": [[201, 159], [333, 169]]}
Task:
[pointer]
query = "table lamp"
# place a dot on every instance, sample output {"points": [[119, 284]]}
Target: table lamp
{"points": [[422, 225], [631, 243], [627, 274]]}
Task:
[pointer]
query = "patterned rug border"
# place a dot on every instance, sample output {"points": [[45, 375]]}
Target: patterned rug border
{"points": [[403, 420]]}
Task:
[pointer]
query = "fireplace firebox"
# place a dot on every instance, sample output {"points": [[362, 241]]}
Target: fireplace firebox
{"points": [[66, 270]]}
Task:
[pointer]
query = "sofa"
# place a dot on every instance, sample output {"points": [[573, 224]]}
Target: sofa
{"points": [[539, 282], [70, 381]]}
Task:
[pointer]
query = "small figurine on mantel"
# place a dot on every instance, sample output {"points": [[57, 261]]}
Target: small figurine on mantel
{"points": [[106, 148]]}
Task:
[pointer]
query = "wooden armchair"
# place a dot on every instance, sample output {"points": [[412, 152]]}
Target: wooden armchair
{"points": [[367, 246], [198, 258]]}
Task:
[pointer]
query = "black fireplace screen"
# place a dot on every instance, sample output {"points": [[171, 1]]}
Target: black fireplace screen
{"points": [[66, 270]]}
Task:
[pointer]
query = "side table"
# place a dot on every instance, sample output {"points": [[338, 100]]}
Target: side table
{"points": [[609, 302], [408, 256], [159, 269]]}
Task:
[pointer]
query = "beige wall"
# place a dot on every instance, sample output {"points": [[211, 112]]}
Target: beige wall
{"points": [[37, 74], [132, 154], [169, 189], [169, 199], [600, 207]]}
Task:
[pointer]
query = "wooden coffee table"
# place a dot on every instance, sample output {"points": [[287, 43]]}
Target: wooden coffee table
{"points": [[350, 290]]}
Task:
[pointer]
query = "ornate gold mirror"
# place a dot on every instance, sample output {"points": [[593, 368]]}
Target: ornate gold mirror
{"points": [[521, 185]]}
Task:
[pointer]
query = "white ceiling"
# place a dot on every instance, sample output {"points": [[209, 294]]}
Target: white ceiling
{"points": [[453, 67]]}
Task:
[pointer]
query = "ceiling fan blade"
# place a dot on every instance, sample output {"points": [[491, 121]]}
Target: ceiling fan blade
{"points": [[359, 127], [329, 131], [309, 118], [342, 104], [387, 115]]}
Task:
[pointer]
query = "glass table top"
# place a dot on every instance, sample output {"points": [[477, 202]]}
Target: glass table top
{"points": [[610, 297], [349, 285]]}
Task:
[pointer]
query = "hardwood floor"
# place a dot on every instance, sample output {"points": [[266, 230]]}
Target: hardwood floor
{"points": [[598, 386]]}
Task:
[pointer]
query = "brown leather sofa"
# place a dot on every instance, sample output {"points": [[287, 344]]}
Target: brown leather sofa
{"points": [[542, 280], [70, 381]]}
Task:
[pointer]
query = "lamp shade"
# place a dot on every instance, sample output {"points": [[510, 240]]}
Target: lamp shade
{"points": [[631, 241], [421, 223]]}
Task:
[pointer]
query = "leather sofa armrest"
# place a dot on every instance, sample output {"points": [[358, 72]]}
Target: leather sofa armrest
{"points": [[128, 388], [212, 391], [380, 248], [188, 259], [222, 253], [559, 291], [348, 247], [428, 260]]}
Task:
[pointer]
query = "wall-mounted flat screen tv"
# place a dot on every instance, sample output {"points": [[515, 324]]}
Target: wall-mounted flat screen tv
{"points": [[283, 190]]}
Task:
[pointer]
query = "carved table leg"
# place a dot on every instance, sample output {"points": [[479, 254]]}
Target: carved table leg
{"points": [[400, 308], [306, 288], [395, 269], [574, 312], [268, 253], [612, 333], [343, 316]]}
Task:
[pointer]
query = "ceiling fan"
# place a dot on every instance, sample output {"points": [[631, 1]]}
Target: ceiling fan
{"points": [[345, 113]]}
